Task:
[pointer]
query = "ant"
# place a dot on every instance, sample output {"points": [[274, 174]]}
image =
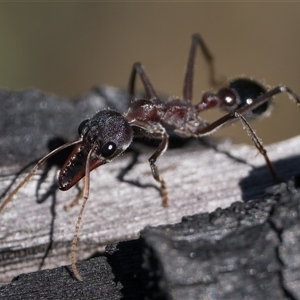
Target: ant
{"points": [[108, 133]]}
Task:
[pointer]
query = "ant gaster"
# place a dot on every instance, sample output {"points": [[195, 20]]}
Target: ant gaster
{"points": [[107, 134]]}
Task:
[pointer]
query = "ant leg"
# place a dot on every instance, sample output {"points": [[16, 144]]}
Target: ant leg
{"points": [[78, 197], [160, 151], [210, 128], [264, 98], [256, 103], [241, 114], [138, 69], [258, 144], [134, 159], [188, 79]]}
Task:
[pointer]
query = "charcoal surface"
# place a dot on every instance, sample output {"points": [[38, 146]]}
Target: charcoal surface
{"points": [[247, 251]]}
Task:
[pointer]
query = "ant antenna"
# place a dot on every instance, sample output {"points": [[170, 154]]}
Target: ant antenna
{"points": [[86, 190], [34, 169]]}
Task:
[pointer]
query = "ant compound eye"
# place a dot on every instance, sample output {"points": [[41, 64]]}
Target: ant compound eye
{"points": [[108, 149], [81, 126]]}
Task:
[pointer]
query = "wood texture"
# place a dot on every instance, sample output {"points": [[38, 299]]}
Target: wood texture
{"points": [[199, 178]]}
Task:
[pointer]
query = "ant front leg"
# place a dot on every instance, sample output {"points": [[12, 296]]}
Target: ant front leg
{"points": [[159, 152], [138, 69]]}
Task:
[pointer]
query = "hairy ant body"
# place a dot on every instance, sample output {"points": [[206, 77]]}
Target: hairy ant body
{"points": [[108, 134]]}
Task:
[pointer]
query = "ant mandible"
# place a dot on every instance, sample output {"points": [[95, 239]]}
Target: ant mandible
{"points": [[108, 134]]}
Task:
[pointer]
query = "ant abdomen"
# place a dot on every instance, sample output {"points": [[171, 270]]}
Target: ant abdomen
{"points": [[246, 91]]}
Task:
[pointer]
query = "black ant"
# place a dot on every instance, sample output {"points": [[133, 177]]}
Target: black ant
{"points": [[107, 134]]}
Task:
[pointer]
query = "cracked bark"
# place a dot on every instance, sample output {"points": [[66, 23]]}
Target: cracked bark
{"points": [[241, 249]]}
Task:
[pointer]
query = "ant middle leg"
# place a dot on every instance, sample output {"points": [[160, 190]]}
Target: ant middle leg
{"points": [[149, 90], [188, 80]]}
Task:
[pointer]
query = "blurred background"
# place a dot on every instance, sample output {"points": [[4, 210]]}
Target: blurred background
{"points": [[67, 48]]}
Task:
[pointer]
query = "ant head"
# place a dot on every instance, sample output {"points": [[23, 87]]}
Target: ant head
{"points": [[108, 132], [106, 135]]}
